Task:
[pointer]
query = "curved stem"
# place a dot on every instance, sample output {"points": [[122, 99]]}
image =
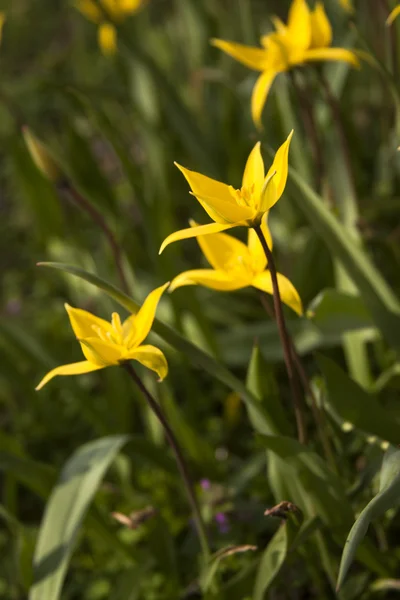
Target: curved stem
{"points": [[180, 459], [285, 339], [101, 222]]}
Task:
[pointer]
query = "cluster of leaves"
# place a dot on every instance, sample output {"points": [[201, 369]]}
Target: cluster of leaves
{"points": [[78, 453]]}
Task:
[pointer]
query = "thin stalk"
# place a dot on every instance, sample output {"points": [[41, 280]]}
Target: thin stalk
{"points": [[318, 414], [101, 222], [285, 339], [180, 460]]}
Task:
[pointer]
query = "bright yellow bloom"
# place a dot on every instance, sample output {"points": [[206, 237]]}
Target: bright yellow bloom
{"points": [[306, 37], [105, 13], [393, 15], [106, 344], [230, 207], [236, 265]]}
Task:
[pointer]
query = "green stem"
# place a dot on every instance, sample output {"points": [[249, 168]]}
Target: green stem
{"points": [[285, 339], [180, 460]]}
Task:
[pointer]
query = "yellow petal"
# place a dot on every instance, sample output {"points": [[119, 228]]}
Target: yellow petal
{"points": [[321, 30], [393, 15], [2, 21], [152, 358], [339, 54], [143, 320], [84, 324], [347, 5], [288, 292], [130, 6], [253, 176], [192, 232], [89, 9], [101, 352], [299, 24], [257, 254], [280, 168], [225, 212], [221, 249], [279, 26], [107, 36], [260, 93], [201, 185], [73, 369], [215, 280], [254, 58]]}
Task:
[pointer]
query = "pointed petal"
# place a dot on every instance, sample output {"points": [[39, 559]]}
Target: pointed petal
{"points": [[72, 369], [215, 280], [257, 254], [260, 93], [225, 212], [393, 15], [221, 250], [340, 54], [100, 352], [107, 36], [201, 185], [254, 58], [299, 24], [288, 292], [279, 26], [254, 171], [192, 232], [89, 9], [152, 358], [143, 320], [84, 323], [321, 30], [280, 168]]}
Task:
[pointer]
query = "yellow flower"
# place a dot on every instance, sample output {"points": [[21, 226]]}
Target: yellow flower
{"points": [[236, 265], [230, 207], [105, 13], [106, 344], [393, 15], [306, 37], [347, 5]]}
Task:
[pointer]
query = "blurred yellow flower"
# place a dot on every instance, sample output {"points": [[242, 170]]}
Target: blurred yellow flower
{"points": [[105, 13], [236, 265], [347, 5], [395, 13], [106, 344], [229, 207], [306, 37]]}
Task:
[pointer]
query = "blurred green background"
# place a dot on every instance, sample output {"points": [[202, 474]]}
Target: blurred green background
{"points": [[116, 124]]}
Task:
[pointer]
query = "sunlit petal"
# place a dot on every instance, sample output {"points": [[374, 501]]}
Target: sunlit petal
{"points": [[215, 280], [89, 9], [254, 58], [254, 174], [257, 254], [225, 212], [299, 24], [280, 168], [152, 358], [393, 15], [288, 292], [107, 36], [279, 26], [321, 30], [341, 54], [221, 249], [192, 232], [84, 324], [101, 352], [130, 6], [72, 369], [201, 185], [260, 93], [143, 320]]}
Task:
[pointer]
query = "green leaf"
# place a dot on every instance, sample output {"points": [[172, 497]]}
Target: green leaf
{"points": [[387, 497], [65, 511], [332, 311], [355, 405], [378, 296], [193, 353], [271, 562]]}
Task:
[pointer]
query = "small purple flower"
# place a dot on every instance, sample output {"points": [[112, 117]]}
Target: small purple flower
{"points": [[205, 484], [222, 522]]}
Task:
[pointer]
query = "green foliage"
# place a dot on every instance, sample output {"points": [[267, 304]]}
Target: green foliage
{"points": [[86, 472]]}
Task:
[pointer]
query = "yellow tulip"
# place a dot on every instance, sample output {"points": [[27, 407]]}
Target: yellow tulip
{"points": [[307, 37], [230, 207], [105, 13], [236, 265], [106, 344], [393, 15]]}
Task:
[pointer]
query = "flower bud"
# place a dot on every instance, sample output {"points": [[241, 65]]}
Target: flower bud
{"points": [[42, 157]]}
